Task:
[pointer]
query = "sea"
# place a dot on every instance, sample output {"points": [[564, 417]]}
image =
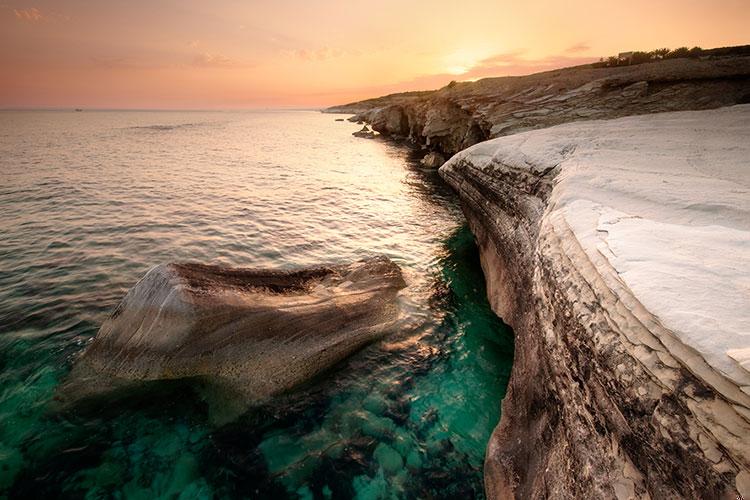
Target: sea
{"points": [[90, 201]]}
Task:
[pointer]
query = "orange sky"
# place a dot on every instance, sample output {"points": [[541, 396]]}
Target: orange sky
{"points": [[235, 54]]}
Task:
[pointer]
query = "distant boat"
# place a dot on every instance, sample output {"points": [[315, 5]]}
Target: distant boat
{"points": [[78, 110]]}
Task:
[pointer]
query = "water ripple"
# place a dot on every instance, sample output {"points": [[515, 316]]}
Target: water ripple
{"points": [[90, 201]]}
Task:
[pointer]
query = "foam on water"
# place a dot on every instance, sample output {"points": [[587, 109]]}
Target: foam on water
{"points": [[90, 201]]}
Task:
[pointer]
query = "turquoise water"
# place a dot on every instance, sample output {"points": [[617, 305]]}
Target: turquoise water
{"points": [[89, 201]]}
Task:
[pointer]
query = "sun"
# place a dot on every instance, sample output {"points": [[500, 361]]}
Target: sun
{"points": [[460, 61], [457, 70]]}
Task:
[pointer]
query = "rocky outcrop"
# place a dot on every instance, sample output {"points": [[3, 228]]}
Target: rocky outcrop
{"points": [[618, 251], [389, 120], [432, 160], [462, 114], [250, 333], [364, 132]]}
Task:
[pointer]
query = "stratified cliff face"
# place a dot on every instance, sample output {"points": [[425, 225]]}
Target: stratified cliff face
{"points": [[462, 114], [619, 251]]}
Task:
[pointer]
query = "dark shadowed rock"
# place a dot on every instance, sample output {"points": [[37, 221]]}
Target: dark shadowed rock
{"points": [[432, 160], [251, 333], [390, 120], [365, 132]]}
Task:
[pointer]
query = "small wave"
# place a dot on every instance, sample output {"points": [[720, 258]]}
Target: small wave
{"points": [[167, 127]]}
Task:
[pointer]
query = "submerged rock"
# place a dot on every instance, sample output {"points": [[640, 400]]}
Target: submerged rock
{"points": [[432, 160], [618, 251], [250, 333]]}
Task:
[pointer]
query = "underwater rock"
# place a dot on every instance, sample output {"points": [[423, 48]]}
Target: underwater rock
{"points": [[618, 251], [253, 333]]}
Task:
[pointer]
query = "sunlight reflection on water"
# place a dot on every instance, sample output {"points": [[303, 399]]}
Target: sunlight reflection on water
{"points": [[90, 201]]}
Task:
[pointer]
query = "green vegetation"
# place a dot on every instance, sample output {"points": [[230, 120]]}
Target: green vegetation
{"points": [[638, 57]]}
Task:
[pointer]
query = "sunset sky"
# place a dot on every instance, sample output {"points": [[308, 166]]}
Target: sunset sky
{"points": [[232, 54]]}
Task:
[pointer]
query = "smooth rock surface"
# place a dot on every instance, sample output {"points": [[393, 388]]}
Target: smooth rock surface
{"points": [[619, 251], [251, 333]]}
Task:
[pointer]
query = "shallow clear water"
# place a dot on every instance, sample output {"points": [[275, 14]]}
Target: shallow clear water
{"points": [[90, 201]]}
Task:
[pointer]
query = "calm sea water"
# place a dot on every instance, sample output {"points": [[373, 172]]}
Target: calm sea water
{"points": [[90, 201]]}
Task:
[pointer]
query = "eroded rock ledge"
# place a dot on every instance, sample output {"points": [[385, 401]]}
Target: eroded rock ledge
{"points": [[249, 333], [465, 113], [619, 251]]}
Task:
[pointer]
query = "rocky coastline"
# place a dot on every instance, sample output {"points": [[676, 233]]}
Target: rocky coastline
{"points": [[612, 394], [462, 114]]}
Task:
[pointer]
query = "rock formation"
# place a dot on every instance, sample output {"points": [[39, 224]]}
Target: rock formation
{"points": [[364, 132], [432, 160], [253, 333], [462, 114], [619, 251]]}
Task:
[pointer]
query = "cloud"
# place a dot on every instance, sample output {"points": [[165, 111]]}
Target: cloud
{"points": [[209, 60], [322, 54], [498, 65], [32, 15], [579, 47], [515, 64], [104, 62]]}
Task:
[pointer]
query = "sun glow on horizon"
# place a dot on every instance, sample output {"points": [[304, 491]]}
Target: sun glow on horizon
{"points": [[61, 53], [458, 70]]}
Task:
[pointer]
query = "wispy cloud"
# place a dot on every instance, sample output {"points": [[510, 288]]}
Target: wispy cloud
{"points": [[504, 64], [579, 47], [320, 54], [209, 60], [32, 15], [515, 63], [106, 62]]}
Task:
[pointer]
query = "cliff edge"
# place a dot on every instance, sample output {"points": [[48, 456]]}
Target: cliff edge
{"points": [[462, 114], [619, 251]]}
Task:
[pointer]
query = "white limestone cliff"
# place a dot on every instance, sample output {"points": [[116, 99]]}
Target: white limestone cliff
{"points": [[620, 252]]}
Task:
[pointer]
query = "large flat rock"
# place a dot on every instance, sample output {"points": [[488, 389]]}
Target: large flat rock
{"points": [[255, 333], [630, 240]]}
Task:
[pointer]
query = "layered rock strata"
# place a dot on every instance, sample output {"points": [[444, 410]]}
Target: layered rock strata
{"points": [[619, 251], [465, 113], [254, 333]]}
